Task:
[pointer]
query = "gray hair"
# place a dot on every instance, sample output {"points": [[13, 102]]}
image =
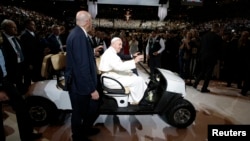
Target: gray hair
{"points": [[5, 23]]}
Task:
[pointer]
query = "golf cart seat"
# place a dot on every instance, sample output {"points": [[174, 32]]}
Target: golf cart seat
{"points": [[54, 64], [117, 91], [59, 63], [46, 70]]}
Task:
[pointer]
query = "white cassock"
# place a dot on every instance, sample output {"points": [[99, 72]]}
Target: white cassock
{"points": [[112, 66]]}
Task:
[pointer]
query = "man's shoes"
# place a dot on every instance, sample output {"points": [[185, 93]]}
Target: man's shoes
{"points": [[205, 90], [35, 136], [92, 131], [243, 93]]}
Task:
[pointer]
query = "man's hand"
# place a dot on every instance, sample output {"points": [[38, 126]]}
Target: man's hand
{"points": [[3, 96], [136, 54], [138, 58], [96, 54], [97, 50], [155, 53], [95, 95]]}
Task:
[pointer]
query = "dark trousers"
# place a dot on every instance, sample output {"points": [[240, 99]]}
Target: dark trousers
{"points": [[36, 72], [207, 67], [154, 62], [84, 114], [2, 133], [245, 87], [20, 79], [19, 106], [246, 84]]}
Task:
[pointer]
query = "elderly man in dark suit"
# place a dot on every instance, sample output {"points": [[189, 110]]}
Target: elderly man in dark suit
{"points": [[9, 92], [81, 78], [13, 51]]}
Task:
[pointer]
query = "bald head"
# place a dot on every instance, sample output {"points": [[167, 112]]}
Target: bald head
{"points": [[83, 19]]}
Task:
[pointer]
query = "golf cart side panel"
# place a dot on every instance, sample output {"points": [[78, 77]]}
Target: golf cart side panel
{"points": [[167, 99], [49, 90], [175, 83], [170, 87]]}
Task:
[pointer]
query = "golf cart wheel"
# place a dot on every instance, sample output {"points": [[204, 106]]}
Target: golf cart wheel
{"points": [[41, 110], [181, 114]]}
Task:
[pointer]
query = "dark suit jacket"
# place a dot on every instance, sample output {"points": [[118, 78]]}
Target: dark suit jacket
{"points": [[81, 66], [32, 49], [53, 43], [210, 47], [10, 56]]}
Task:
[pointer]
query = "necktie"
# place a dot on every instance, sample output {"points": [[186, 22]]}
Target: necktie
{"points": [[90, 41], [18, 49], [94, 41], [59, 41]]}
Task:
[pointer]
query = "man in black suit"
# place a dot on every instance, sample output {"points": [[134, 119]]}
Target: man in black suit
{"points": [[209, 54], [9, 92], [54, 40], [246, 84], [14, 57], [81, 78], [33, 52], [154, 48]]}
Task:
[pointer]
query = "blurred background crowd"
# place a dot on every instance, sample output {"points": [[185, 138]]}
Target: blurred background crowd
{"points": [[187, 23]]}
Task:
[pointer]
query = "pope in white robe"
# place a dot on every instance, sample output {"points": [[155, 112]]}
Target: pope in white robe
{"points": [[112, 66]]}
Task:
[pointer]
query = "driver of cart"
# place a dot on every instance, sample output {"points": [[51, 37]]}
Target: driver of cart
{"points": [[112, 66]]}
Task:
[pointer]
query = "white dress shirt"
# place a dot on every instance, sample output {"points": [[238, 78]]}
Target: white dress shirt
{"points": [[162, 44], [2, 63], [13, 45]]}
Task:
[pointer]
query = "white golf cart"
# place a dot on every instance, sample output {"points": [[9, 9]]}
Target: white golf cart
{"points": [[48, 101]]}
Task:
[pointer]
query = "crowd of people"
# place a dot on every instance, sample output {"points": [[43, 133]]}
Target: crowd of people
{"points": [[192, 51]]}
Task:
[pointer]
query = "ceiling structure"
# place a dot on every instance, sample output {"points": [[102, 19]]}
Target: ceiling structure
{"points": [[139, 10]]}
